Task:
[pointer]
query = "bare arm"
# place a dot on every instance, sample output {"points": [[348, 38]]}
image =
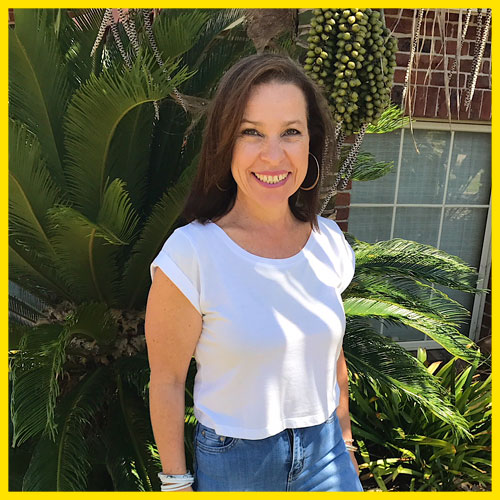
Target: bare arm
{"points": [[343, 408], [172, 327]]}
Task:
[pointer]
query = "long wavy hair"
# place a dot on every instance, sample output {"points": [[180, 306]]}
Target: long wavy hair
{"points": [[213, 191]]}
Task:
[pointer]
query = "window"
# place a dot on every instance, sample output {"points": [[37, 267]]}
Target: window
{"points": [[438, 195]]}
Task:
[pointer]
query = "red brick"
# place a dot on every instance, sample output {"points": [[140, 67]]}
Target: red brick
{"points": [[486, 107], [399, 75], [483, 82], [420, 100], [343, 199], [403, 25], [442, 110], [475, 105], [343, 226], [434, 61], [430, 105], [462, 80], [402, 59], [437, 78], [391, 12], [486, 67], [465, 65], [486, 53], [342, 214]]}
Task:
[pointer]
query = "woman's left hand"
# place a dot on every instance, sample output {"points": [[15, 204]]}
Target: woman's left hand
{"points": [[354, 461]]}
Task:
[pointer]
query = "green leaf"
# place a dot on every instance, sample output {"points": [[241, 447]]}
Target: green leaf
{"points": [[93, 116], [38, 85], [35, 388], [391, 119], [87, 255], [372, 355], [64, 464], [175, 33], [117, 219], [154, 233], [444, 334], [31, 191]]}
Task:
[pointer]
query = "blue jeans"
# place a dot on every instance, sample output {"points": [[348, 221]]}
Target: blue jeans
{"points": [[302, 459]]}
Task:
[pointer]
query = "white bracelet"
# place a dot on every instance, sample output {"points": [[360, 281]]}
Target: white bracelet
{"points": [[175, 487], [176, 481]]}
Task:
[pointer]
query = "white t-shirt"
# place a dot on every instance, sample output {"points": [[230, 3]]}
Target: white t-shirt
{"points": [[272, 328]]}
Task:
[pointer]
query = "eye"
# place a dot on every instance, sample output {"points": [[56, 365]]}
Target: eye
{"points": [[292, 131], [250, 131]]}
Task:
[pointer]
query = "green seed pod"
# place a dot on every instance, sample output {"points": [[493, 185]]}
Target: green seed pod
{"points": [[308, 67], [323, 54], [319, 61], [351, 65], [319, 28], [309, 60], [317, 50], [316, 68]]}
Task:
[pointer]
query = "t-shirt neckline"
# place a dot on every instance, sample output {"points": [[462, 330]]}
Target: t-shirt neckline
{"points": [[264, 260]]}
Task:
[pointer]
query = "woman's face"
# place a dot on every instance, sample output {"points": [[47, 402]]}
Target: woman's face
{"points": [[270, 155]]}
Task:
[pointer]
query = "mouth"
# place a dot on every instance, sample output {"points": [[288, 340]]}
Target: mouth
{"points": [[272, 180]]}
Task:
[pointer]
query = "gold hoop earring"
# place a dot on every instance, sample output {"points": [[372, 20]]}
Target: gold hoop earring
{"points": [[317, 177]]}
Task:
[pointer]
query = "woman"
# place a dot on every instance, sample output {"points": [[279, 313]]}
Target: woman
{"points": [[251, 287]]}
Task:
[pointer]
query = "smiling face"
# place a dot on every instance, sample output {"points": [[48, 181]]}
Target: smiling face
{"points": [[270, 156]]}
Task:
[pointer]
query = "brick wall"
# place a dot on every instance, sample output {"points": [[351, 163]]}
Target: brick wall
{"points": [[427, 94], [436, 51]]}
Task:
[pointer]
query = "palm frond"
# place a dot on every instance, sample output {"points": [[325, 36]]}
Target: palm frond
{"points": [[130, 152], [117, 218], [154, 233], [38, 85], [76, 39], [93, 320], [87, 255], [410, 258], [128, 440], [42, 279], [393, 118], [371, 355], [63, 464], [367, 168], [110, 97], [31, 192], [176, 32], [413, 294], [34, 372], [443, 333]]}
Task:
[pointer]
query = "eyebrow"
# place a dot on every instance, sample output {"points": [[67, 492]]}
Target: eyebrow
{"points": [[259, 123]]}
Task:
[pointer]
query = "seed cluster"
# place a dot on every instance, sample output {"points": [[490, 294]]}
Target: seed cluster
{"points": [[353, 56]]}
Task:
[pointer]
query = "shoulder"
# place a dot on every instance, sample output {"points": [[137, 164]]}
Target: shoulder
{"points": [[187, 236], [329, 227]]}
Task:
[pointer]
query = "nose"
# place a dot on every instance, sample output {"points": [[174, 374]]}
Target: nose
{"points": [[272, 150]]}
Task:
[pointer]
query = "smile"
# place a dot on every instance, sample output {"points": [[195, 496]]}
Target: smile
{"points": [[272, 179]]}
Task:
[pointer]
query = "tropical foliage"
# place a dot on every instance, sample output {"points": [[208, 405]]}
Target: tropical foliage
{"points": [[102, 151], [405, 447]]}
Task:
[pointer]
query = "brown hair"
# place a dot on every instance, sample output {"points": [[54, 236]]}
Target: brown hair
{"points": [[213, 192]]}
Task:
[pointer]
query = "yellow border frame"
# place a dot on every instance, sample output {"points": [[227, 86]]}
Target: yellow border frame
{"points": [[4, 222]]}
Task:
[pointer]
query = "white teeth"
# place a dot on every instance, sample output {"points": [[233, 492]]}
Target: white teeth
{"points": [[271, 179]]}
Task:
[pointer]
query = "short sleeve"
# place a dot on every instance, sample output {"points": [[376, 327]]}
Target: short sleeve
{"points": [[178, 260]]}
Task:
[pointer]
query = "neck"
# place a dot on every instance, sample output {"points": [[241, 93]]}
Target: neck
{"points": [[254, 216]]}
